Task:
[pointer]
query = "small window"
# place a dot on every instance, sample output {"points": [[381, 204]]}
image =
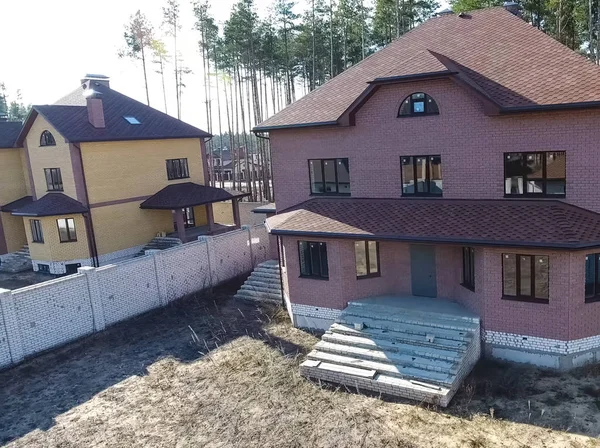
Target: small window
{"points": [[421, 175], [313, 260], [468, 268], [329, 176], [177, 169], [36, 231], [66, 230], [47, 139], [418, 104], [53, 179], [43, 268], [535, 174], [592, 277], [525, 277], [132, 120], [367, 259]]}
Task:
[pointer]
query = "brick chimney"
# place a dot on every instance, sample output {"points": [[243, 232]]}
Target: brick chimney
{"points": [[95, 108]]}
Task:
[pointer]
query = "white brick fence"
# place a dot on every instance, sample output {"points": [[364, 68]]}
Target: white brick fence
{"points": [[49, 314]]}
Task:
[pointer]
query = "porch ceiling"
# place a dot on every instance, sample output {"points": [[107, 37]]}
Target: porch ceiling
{"points": [[526, 223], [189, 194]]}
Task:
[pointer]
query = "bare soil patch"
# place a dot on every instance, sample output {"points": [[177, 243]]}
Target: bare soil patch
{"points": [[209, 371], [21, 279]]}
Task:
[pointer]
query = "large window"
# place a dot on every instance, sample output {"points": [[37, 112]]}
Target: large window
{"points": [[421, 175], [468, 268], [592, 277], [177, 169], [36, 231], [66, 230], [525, 277], [313, 259], [367, 259], [53, 179], [329, 176], [535, 174], [47, 139], [418, 104]]}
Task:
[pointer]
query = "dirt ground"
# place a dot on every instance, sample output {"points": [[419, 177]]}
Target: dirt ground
{"points": [[22, 279], [209, 371]]}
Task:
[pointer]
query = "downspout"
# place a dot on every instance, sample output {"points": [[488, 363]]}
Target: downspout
{"points": [[88, 216], [280, 271]]}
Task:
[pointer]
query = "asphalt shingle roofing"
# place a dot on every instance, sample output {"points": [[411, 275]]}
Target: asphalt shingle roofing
{"points": [[509, 61], [528, 223], [188, 194], [71, 121], [9, 131], [52, 204]]}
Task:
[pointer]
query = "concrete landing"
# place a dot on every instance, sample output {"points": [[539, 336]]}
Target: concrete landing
{"points": [[413, 347]]}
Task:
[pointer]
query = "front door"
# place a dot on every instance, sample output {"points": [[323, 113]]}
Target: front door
{"points": [[188, 217], [422, 268]]}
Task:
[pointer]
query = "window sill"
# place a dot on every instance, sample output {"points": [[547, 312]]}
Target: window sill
{"points": [[526, 299], [72, 241], [314, 277], [592, 299], [469, 287], [330, 194], [418, 114], [362, 277], [54, 191], [179, 178], [534, 196], [421, 195], [37, 242]]}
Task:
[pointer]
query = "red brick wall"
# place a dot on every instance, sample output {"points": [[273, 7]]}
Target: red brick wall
{"points": [[471, 145]]}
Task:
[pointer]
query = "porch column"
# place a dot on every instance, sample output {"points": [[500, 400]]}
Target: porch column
{"points": [[180, 225], [235, 203], [210, 217]]}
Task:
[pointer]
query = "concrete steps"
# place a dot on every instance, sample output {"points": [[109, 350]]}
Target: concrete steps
{"points": [[397, 350], [159, 243], [263, 284], [19, 261]]}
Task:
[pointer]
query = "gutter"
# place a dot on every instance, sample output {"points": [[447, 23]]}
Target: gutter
{"points": [[88, 216]]}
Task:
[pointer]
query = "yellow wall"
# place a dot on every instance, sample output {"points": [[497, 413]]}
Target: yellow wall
{"points": [[223, 212], [129, 169], [121, 226], [200, 215], [49, 157], [14, 232], [52, 249]]}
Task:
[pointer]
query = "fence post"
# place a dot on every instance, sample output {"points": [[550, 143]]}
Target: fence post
{"points": [[159, 271], [93, 283], [13, 332]]}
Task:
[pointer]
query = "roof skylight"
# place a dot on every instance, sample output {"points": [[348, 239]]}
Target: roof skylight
{"points": [[132, 120]]}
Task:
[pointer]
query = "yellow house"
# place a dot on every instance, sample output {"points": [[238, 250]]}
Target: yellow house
{"points": [[99, 176]]}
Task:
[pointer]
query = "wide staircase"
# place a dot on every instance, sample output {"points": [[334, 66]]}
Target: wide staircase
{"points": [[412, 352], [159, 243], [19, 261], [263, 285]]}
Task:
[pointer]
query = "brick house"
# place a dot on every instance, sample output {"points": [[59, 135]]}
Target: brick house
{"points": [[459, 163], [98, 176]]}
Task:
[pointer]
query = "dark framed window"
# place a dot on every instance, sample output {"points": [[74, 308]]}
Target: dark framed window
{"points": [[525, 277], [313, 259], [37, 236], [421, 175], [417, 104], [47, 139], [53, 179], [329, 176], [177, 169], [367, 259], [468, 268], [535, 174], [44, 268], [66, 230], [592, 277]]}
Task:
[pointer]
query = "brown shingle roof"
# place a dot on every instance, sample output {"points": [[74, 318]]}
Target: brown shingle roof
{"points": [[514, 63], [529, 223], [188, 194]]}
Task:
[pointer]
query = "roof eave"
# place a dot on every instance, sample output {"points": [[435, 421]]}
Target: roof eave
{"points": [[550, 107], [413, 77], [260, 128]]}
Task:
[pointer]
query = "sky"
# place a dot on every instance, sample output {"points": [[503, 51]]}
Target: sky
{"points": [[57, 42]]}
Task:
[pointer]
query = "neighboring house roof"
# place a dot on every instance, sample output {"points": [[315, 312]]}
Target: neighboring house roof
{"points": [[16, 205], [9, 131], [72, 122], [188, 194], [528, 223], [506, 60], [52, 204], [266, 208]]}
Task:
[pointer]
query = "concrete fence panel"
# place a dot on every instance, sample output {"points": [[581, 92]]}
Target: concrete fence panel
{"points": [[5, 358], [186, 269]]}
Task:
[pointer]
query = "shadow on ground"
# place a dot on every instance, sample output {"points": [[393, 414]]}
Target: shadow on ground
{"points": [[34, 393]]}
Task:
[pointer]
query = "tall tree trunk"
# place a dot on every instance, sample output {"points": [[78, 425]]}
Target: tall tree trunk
{"points": [[145, 76], [331, 72], [162, 76], [314, 57]]}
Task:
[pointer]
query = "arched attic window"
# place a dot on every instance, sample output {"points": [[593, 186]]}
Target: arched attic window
{"points": [[417, 104], [47, 139]]}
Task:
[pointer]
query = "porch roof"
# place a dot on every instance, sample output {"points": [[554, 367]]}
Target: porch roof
{"points": [[51, 204], [189, 194], [503, 222]]}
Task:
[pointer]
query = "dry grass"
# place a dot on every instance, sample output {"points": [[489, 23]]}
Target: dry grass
{"points": [[221, 374]]}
